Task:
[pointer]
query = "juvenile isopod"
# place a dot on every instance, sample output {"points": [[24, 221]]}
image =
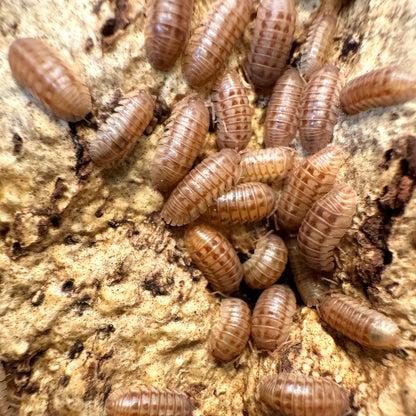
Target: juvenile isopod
{"points": [[232, 111], [123, 127], [319, 39], [39, 68], [146, 401], [166, 31], [183, 139], [211, 44], [267, 264], [266, 165], [298, 395], [306, 184], [324, 226], [379, 88], [358, 322], [230, 335], [215, 257], [211, 178], [247, 202], [272, 317], [282, 113], [272, 40], [319, 108]]}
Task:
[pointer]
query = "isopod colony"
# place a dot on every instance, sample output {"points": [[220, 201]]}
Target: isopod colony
{"points": [[308, 210]]}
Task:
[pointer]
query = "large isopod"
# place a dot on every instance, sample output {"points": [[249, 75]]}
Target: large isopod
{"points": [[319, 108], [232, 111], [215, 257], [298, 395], [166, 31], [230, 335], [183, 139], [324, 226], [211, 178], [39, 68], [122, 129], [147, 401]]}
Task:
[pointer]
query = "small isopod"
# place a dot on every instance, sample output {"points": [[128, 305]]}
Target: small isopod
{"points": [[379, 88], [282, 113], [306, 184], [247, 202], [324, 226], [183, 139], [232, 111], [272, 40], [267, 264], [298, 395], [211, 44], [272, 317], [230, 335], [319, 108], [122, 129], [39, 68], [215, 257], [146, 401], [211, 178], [166, 31]]}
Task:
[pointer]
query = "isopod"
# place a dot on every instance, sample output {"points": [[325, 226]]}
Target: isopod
{"points": [[232, 111], [272, 40], [122, 129], [282, 113], [272, 317], [39, 68], [324, 226], [266, 165], [183, 139], [146, 401], [247, 202], [319, 39], [306, 184], [211, 44], [166, 31], [298, 395], [211, 178], [319, 108], [215, 257], [230, 335], [379, 88], [267, 264]]}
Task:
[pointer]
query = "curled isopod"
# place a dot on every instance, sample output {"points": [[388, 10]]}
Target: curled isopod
{"points": [[272, 317], [211, 44], [143, 401], [123, 127], [247, 202], [324, 226], [211, 178], [232, 112], [298, 395], [166, 31], [267, 264], [306, 184], [319, 39], [215, 257], [230, 335], [39, 68], [319, 108], [282, 112], [272, 40], [379, 88], [183, 139], [266, 165]]}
